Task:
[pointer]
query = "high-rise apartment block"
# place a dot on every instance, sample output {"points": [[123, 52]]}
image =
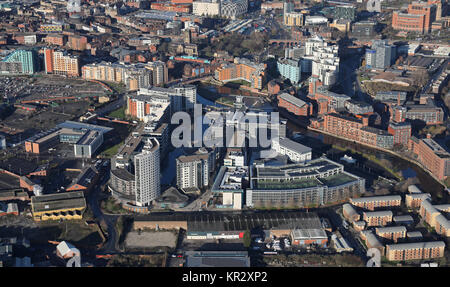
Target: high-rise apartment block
{"points": [[61, 63], [147, 173]]}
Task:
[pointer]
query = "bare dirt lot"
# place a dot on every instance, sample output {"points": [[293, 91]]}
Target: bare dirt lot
{"points": [[151, 239]]}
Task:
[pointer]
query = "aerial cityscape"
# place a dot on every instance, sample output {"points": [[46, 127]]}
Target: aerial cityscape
{"points": [[224, 133]]}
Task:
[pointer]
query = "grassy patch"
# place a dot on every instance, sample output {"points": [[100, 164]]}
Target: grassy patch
{"points": [[119, 113], [225, 101], [156, 260], [112, 151], [110, 205]]}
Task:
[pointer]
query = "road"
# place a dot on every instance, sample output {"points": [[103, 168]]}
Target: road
{"points": [[110, 220]]}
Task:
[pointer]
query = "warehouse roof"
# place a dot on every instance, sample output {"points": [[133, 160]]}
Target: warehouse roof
{"points": [[208, 221], [58, 201]]}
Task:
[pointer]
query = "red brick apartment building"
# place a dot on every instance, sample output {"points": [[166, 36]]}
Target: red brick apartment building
{"points": [[433, 156], [392, 233], [415, 251], [58, 40], [341, 125], [77, 43], [372, 202], [418, 18], [414, 200], [378, 218], [294, 105], [400, 131]]}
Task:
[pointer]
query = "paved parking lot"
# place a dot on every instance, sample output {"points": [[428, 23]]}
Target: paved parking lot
{"points": [[151, 239]]}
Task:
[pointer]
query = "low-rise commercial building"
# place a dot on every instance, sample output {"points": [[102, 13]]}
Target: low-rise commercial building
{"points": [[66, 205]]}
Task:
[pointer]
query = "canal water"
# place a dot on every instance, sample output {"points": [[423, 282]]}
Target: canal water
{"points": [[406, 168]]}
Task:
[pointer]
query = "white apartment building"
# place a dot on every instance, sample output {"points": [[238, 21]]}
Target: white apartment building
{"points": [[296, 152], [194, 170], [147, 173], [182, 98]]}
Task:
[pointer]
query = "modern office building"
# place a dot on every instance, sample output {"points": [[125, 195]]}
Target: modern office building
{"points": [[315, 183], [381, 55], [418, 17], [229, 183], [290, 69], [20, 62], [86, 138], [147, 173]]}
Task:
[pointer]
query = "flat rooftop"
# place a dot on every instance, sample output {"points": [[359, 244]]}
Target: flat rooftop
{"points": [[216, 221], [217, 259]]}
